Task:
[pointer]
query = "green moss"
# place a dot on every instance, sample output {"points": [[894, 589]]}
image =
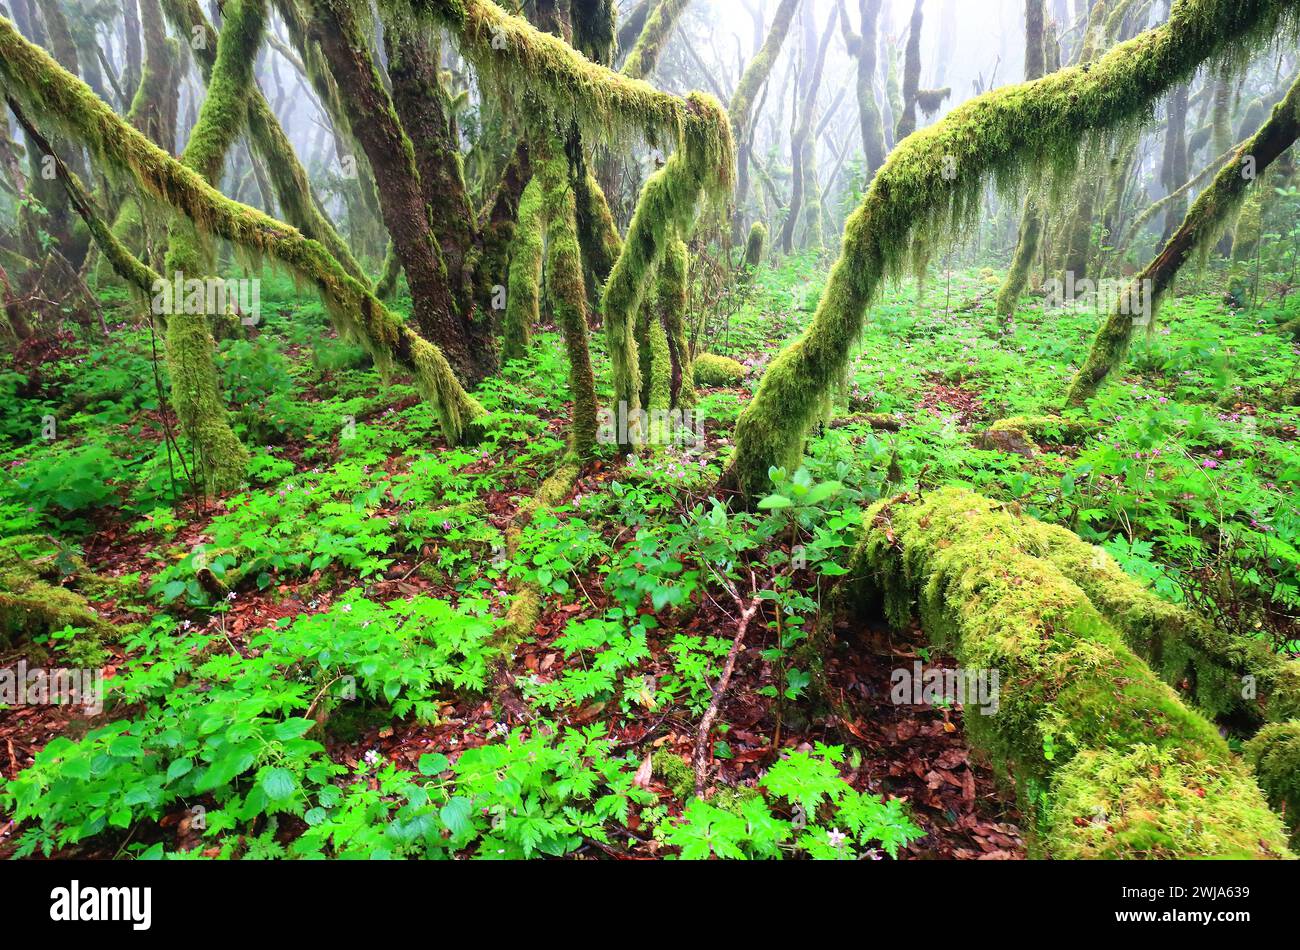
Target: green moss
{"points": [[1028, 240], [1145, 802], [568, 294], [702, 166], [1249, 226], [32, 76], [659, 392], [756, 245], [658, 29], [196, 397], [1225, 675], [1049, 428], [1080, 719], [601, 244], [1203, 224], [713, 370], [1275, 755], [675, 772], [671, 300], [539, 75], [933, 182], [34, 600], [523, 291]]}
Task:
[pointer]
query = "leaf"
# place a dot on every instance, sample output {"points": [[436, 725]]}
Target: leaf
{"points": [[644, 773], [819, 493], [279, 784], [455, 815], [433, 763]]}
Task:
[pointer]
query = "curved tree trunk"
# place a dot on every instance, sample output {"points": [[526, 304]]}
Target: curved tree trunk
{"points": [[1212, 208], [914, 194]]}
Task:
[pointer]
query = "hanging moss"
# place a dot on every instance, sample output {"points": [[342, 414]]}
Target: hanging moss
{"points": [[1275, 755], [1249, 226], [1108, 762], [597, 234], [523, 291], [933, 183], [540, 75], [568, 294], [595, 25], [1203, 224], [34, 77], [701, 166]]}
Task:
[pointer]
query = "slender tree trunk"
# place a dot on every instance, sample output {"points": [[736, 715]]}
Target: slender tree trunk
{"points": [[803, 151], [1030, 234]]}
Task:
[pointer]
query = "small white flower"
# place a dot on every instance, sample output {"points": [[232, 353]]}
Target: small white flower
{"points": [[346, 608], [837, 838], [371, 757]]}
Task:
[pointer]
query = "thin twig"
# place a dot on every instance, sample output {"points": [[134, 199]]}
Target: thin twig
{"points": [[711, 714]]}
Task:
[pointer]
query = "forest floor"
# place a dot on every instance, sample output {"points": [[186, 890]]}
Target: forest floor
{"points": [[359, 585]]}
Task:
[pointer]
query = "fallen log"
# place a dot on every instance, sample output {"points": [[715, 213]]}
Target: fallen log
{"points": [[1107, 760]]}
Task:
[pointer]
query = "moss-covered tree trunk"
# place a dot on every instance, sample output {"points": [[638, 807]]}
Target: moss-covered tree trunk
{"points": [[741, 108], [1030, 235], [933, 180], [497, 222], [1212, 208], [523, 286], [913, 96], [658, 30], [50, 29], [863, 47], [803, 149], [1108, 762], [568, 294], [671, 294], [422, 108], [196, 395], [288, 178], [335, 28], [1173, 168], [33, 76]]}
